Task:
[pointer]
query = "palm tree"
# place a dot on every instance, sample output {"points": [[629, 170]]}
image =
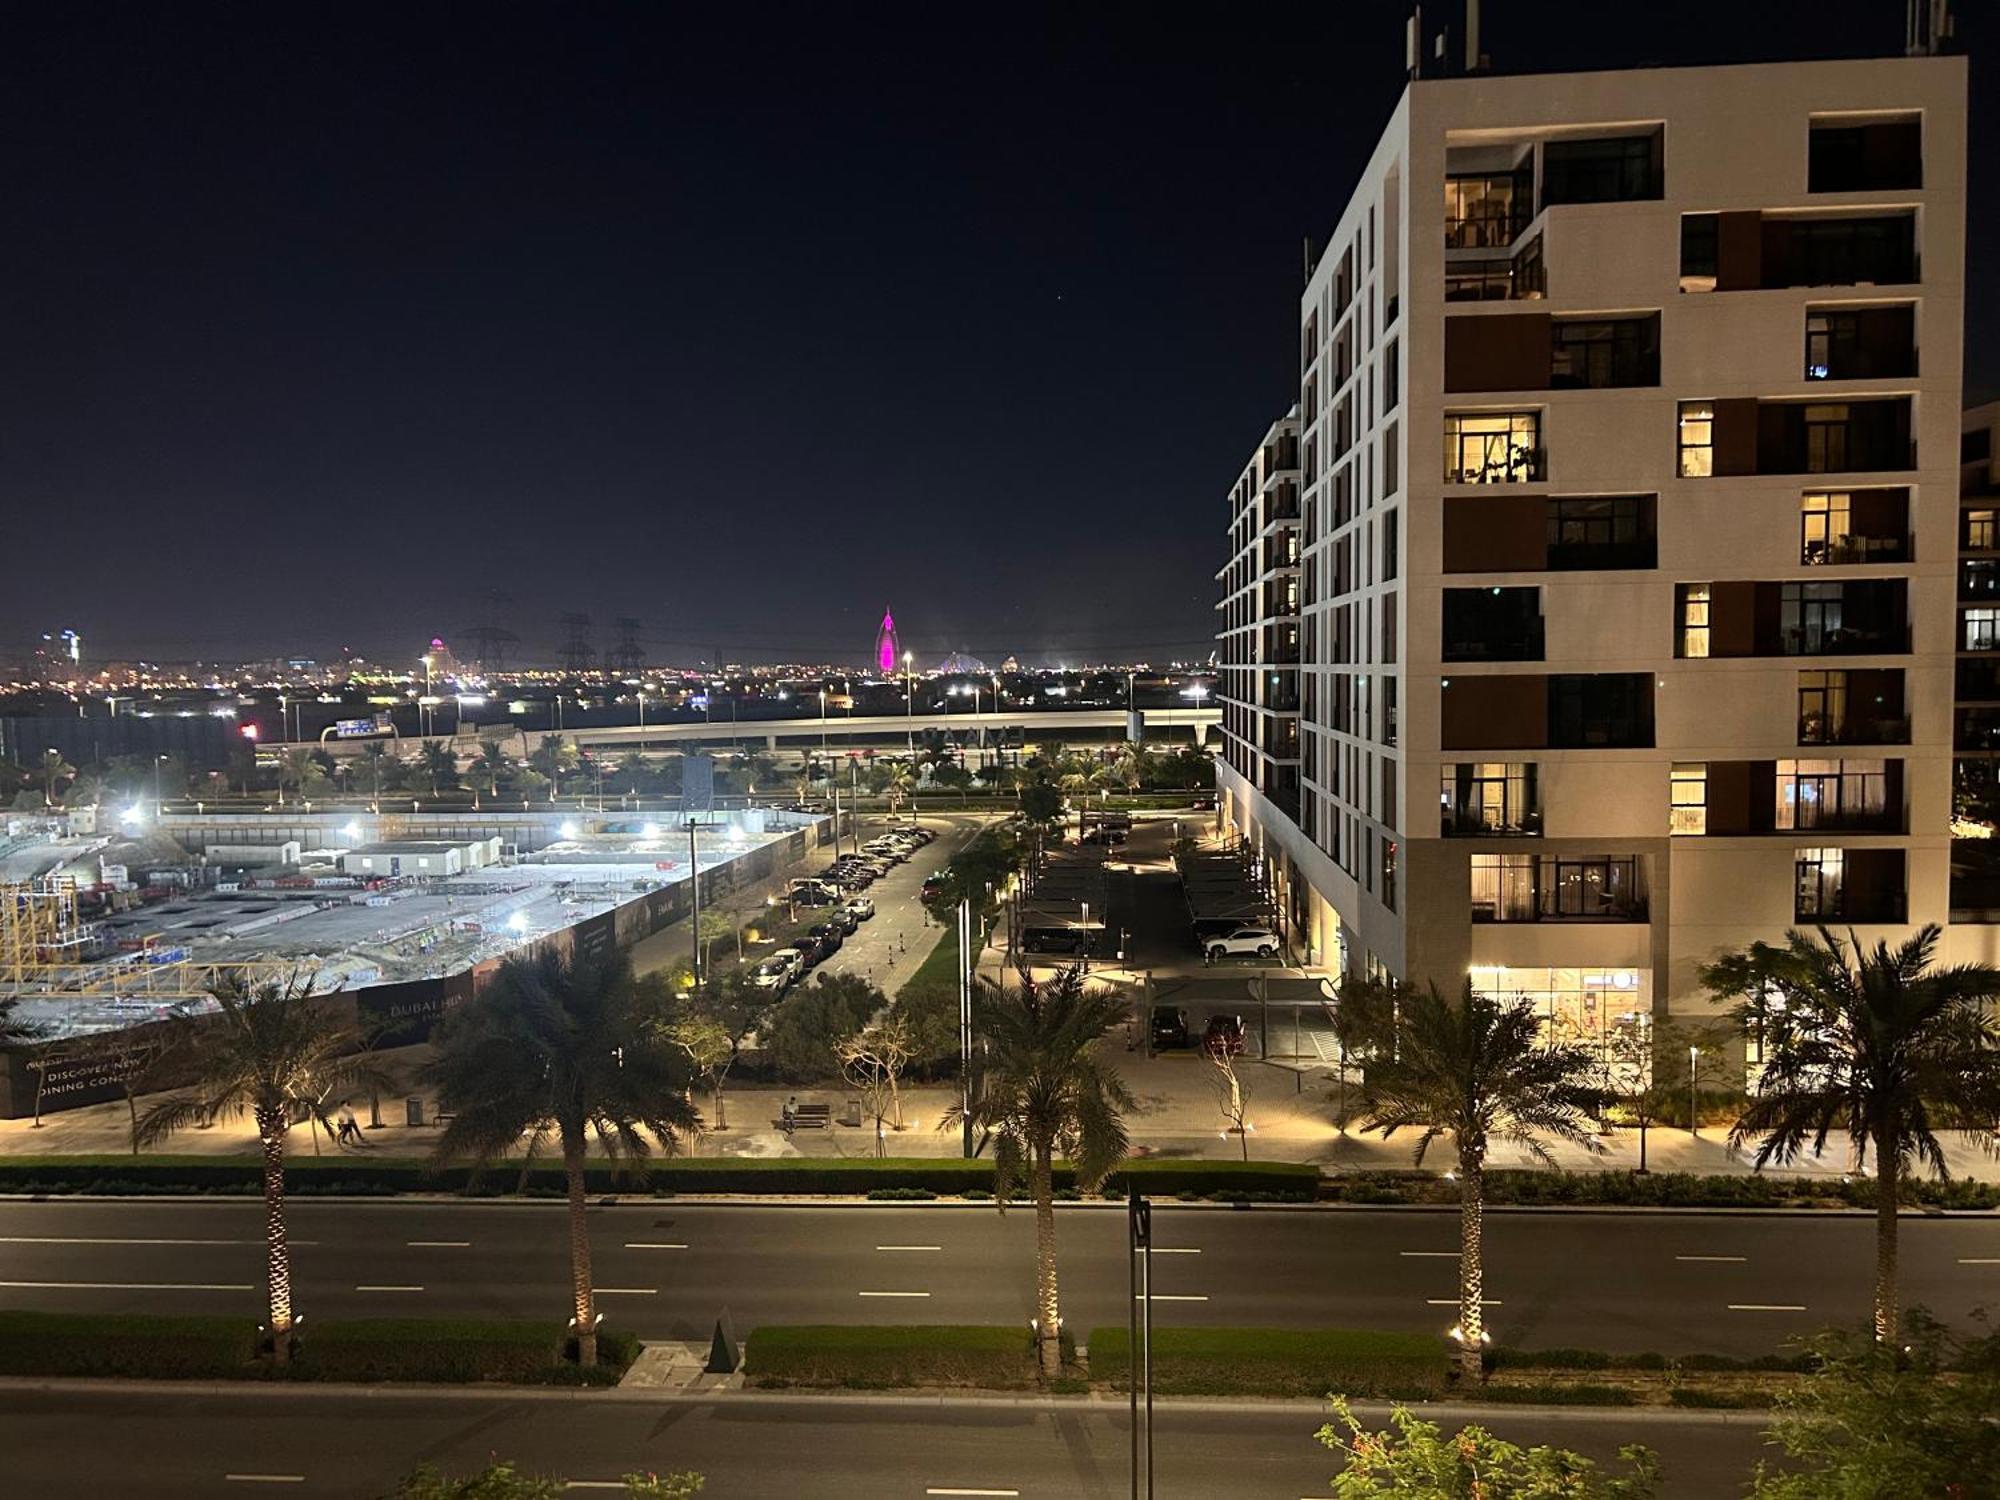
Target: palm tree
{"points": [[1040, 1089], [901, 782], [274, 1053], [14, 1032], [439, 763], [1875, 1044], [567, 1047], [54, 768], [295, 768], [1475, 1070]]}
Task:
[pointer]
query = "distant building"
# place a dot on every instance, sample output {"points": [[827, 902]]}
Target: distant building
{"points": [[1011, 664], [888, 654], [960, 665]]}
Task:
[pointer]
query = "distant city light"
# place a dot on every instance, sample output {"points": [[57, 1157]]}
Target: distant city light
{"points": [[249, 731]]}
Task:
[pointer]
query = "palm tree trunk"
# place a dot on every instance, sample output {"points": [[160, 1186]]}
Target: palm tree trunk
{"points": [[1048, 1305], [278, 1255], [583, 1298], [1471, 1263], [1888, 1181]]}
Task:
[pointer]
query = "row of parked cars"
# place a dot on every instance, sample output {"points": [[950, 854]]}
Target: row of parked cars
{"points": [[838, 887]]}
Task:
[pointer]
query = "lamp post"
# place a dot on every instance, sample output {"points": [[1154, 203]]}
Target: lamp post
{"points": [[822, 723], [159, 805], [910, 708], [1694, 1126], [1084, 945]]}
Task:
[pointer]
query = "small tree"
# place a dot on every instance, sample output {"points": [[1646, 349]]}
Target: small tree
{"points": [[810, 1023], [1415, 1460], [1231, 1092], [873, 1061]]}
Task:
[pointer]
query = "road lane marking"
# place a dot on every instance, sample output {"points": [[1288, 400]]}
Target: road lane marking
{"points": [[1428, 1254], [1170, 1297], [1733, 1260], [1175, 1250], [627, 1291], [939, 1490], [909, 1247], [265, 1478], [1453, 1301], [438, 1244], [594, 1484], [1979, 1260], [1767, 1307], [130, 1286], [652, 1245], [64, 1239], [892, 1294], [388, 1289]]}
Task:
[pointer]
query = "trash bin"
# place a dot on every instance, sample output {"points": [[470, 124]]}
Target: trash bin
{"points": [[413, 1108], [851, 1113]]}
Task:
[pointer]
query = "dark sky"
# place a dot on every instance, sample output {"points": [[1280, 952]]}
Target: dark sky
{"points": [[336, 324]]}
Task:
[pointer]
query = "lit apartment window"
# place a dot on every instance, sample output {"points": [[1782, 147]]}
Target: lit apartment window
{"points": [[1697, 439], [1825, 522], [1832, 793], [1981, 630], [1481, 798], [1822, 707], [1389, 873], [1497, 447], [1688, 794], [1818, 873], [1827, 430], [1981, 532], [1693, 643]]}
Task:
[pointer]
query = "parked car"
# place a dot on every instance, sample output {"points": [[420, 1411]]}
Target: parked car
{"points": [[1101, 835], [933, 886], [1170, 1028], [845, 920], [1223, 1036], [1243, 940], [830, 935], [812, 951], [862, 907], [777, 971]]}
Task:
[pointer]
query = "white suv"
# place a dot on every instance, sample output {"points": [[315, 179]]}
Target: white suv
{"points": [[1258, 940]]}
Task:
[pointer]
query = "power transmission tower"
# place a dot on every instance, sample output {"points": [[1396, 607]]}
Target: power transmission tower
{"points": [[490, 645], [628, 655], [577, 652]]}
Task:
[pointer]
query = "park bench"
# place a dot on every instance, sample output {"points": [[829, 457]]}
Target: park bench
{"points": [[809, 1117]]}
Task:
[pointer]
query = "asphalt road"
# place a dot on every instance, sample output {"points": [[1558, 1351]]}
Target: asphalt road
{"points": [[1674, 1283], [165, 1444]]}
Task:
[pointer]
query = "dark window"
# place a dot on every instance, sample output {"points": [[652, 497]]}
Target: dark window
{"points": [[1605, 352], [1489, 799], [1392, 384], [1614, 170], [1865, 343], [1493, 624], [1699, 243], [1602, 531], [1976, 446], [1865, 158], [1877, 251], [1601, 711]]}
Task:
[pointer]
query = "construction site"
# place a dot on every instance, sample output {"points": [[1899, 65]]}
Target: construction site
{"points": [[105, 930]]}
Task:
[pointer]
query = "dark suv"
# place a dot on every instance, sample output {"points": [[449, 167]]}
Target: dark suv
{"points": [[1170, 1028]]}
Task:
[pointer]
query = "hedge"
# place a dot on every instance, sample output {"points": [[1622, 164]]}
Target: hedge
{"points": [[871, 1356], [1277, 1362], [1601, 1359], [363, 1176], [107, 1344], [220, 1348], [1653, 1190]]}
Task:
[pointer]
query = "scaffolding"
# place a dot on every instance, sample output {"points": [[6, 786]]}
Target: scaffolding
{"points": [[46, 952]]}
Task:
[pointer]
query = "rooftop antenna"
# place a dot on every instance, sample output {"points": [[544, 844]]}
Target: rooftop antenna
{"points": [[1413, 42], [1928, 28]]}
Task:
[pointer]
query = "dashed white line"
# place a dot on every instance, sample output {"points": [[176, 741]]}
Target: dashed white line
{"points": [[131, 1286], [1979, 1260], [1767, 1307], [1172, 1297], [939, 1490], [909, 1247], [1175, 1250], [1428, 1254], [65, 1239], [438, 1244], [388, 1289], [1453, 1301], [1731, 1260], [892, 1294], [652, 1245], [265, 1478], [627, 1291]]}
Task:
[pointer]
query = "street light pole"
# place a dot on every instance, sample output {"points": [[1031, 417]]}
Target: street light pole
{"points": [[1694, 1127], [910, 709], [694, 892], [965, 1024]]}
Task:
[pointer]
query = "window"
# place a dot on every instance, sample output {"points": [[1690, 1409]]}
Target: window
{"points": [[1608, 170], [1687, 795], [1980, 630], [1699, 242], [1601, 353], [1818, 877], [1492, 624], [1542, 888], [1697, 439], [1846, 794], [1981, 534], [1391, 461], [1493, 447], [1693, 629], [1391, 544], [1824, 523], [1601, 531], [1976, 446], [1484, 211], [1392, 381], [1389, 873], [1488, 798], [1389, 710], [1809, 617], [1845, 156], [1826, 439]]}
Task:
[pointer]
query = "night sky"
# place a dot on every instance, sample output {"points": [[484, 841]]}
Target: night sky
{"points": [[343, 325]]}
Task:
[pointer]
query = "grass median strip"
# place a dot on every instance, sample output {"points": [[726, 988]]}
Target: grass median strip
{"points": [[873, 1357], [1276, 1362]]}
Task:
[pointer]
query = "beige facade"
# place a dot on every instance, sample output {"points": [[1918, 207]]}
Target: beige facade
{"points": [[1628, 435]]}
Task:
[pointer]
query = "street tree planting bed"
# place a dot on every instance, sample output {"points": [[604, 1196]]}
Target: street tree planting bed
{"points": [[869, 1357], [1277, 1362]]}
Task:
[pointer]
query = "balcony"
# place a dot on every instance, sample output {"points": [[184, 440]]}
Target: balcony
{"points": [[1493, 448], [1752, 251], [1845, 551], [1492, 624], [1861, 343], [1849, 885], [1817, 729], [1552, 888], [1859, 617], [1520, 277]]}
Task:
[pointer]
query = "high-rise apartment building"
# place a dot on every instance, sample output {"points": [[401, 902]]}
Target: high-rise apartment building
{"points": [[1628, 437]]}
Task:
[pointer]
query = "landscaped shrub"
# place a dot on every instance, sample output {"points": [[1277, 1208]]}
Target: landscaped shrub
{"points": [[445, 1350], [128, 1345], [872, 1356], [1276, 1361]]}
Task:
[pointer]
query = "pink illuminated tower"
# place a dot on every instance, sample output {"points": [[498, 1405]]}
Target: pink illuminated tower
{"points": [[886, 653]]}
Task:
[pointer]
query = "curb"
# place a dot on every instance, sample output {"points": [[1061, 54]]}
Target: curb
{"points": [[1108, 1404]]}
